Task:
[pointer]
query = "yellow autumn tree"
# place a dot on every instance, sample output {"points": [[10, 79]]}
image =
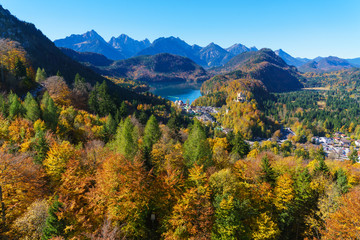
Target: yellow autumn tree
{"points": [[58, 156], [20, 133], [192, 215], [265, 228], [284, 192]]}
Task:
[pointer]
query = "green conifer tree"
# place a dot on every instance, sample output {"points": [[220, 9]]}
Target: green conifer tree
{"points": [[54, 226], [100, 101], [106, 105], [15, 107], [196, 148], [41, 145], [321, 166], [110, 127], [152, 134], [342, 181], [268, 172], [49, 111], [32, 110], [123, 111], [93, 99], [240, 147], [126, 139], [40, 75]]}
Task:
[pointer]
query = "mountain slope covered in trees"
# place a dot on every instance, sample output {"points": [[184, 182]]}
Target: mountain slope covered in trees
{"points": [[266, 66], [162, 67], [42, 53]]}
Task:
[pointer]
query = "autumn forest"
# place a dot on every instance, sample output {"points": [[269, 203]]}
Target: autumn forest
{"points": [[85, 156]]}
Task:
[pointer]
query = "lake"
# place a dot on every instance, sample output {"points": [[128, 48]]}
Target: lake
{"points": [[179, 91]]}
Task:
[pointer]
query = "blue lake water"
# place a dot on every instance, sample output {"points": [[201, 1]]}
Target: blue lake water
{"points": [[175, 92]]}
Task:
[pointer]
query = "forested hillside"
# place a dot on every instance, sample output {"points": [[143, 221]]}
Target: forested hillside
{"points": [[69, 174], [266, 66], [161, 67], [86, 157]]}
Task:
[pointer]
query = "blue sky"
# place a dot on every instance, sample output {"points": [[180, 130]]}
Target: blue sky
{"points": [[303, 28]]}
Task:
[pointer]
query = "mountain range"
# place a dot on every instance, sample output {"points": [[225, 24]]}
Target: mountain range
{"points": [[162, 67], [210, 56], [328, 64], [124, 47], [318, 64], [165, 59]]}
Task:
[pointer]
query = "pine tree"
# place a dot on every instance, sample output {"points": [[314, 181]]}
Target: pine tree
{"points": [[49, 111], [196, 148], [15, 108], [110, 127], [268, 172], [240, 147], [93, 99], [79, 80], [53, 226], [123, 111], [126, 139], [41, 145], [342, 181], [321, 166], [106, 105], [100, 101], [31, 108], [143, 117], [40, 75], [152, 134], [305, 201]]}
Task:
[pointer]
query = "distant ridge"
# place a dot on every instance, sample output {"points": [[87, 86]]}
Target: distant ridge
{"points": [[128, 46], [263, 65], [210, 56], [123, 47], [90, 42], [162, 67], [328, 64], [297, 62]]}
